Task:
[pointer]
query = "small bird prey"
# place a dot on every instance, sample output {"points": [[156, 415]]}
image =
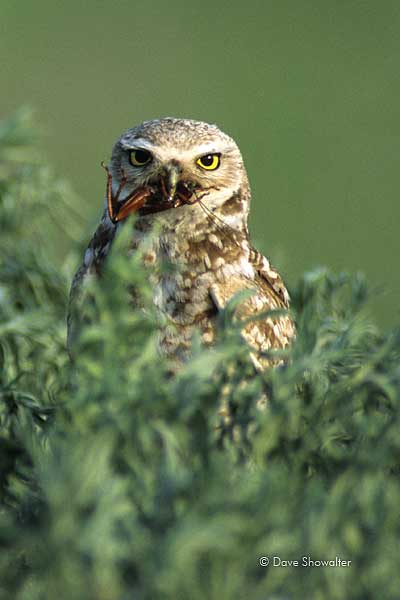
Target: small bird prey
{"points": [[186, 181]]}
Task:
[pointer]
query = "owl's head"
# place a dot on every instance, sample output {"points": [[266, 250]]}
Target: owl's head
{"points": [[173, 170]]}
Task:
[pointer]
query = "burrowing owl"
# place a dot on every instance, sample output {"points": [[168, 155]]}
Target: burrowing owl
{"points": [[187, 178]]}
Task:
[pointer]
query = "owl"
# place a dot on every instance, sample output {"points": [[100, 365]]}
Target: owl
{"points": [[187, 185]]}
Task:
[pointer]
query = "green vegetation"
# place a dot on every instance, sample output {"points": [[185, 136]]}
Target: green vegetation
{"points": [[116, 479]]}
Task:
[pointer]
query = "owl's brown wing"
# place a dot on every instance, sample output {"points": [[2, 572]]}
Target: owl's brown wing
{"points": [[93, 260], [270, 278], [263, 333]]}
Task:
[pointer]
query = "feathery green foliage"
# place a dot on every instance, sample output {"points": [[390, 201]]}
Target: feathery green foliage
{"points": [[118, 481]]}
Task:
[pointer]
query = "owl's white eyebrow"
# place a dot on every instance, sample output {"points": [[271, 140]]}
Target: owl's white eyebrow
{"points": [[206, 149], [164, 153], [137, 143]]}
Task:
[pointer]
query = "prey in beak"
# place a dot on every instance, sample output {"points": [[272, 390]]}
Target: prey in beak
{"points": [[167, 192]]}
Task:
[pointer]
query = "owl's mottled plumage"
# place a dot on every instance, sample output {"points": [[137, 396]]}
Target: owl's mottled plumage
{"points": [[204, 235]]}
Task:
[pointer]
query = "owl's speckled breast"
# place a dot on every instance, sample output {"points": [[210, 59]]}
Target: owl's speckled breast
{"points": [[182, 291]]}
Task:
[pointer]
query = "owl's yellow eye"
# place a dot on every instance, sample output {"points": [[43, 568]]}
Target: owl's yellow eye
{"points": [[139, 158], [209, 162]]}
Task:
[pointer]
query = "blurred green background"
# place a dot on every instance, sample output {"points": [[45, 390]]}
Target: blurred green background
{"points": [[309, 89]]}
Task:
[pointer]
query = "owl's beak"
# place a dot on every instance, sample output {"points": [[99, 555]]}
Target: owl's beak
{"points": [[169, 182]]}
